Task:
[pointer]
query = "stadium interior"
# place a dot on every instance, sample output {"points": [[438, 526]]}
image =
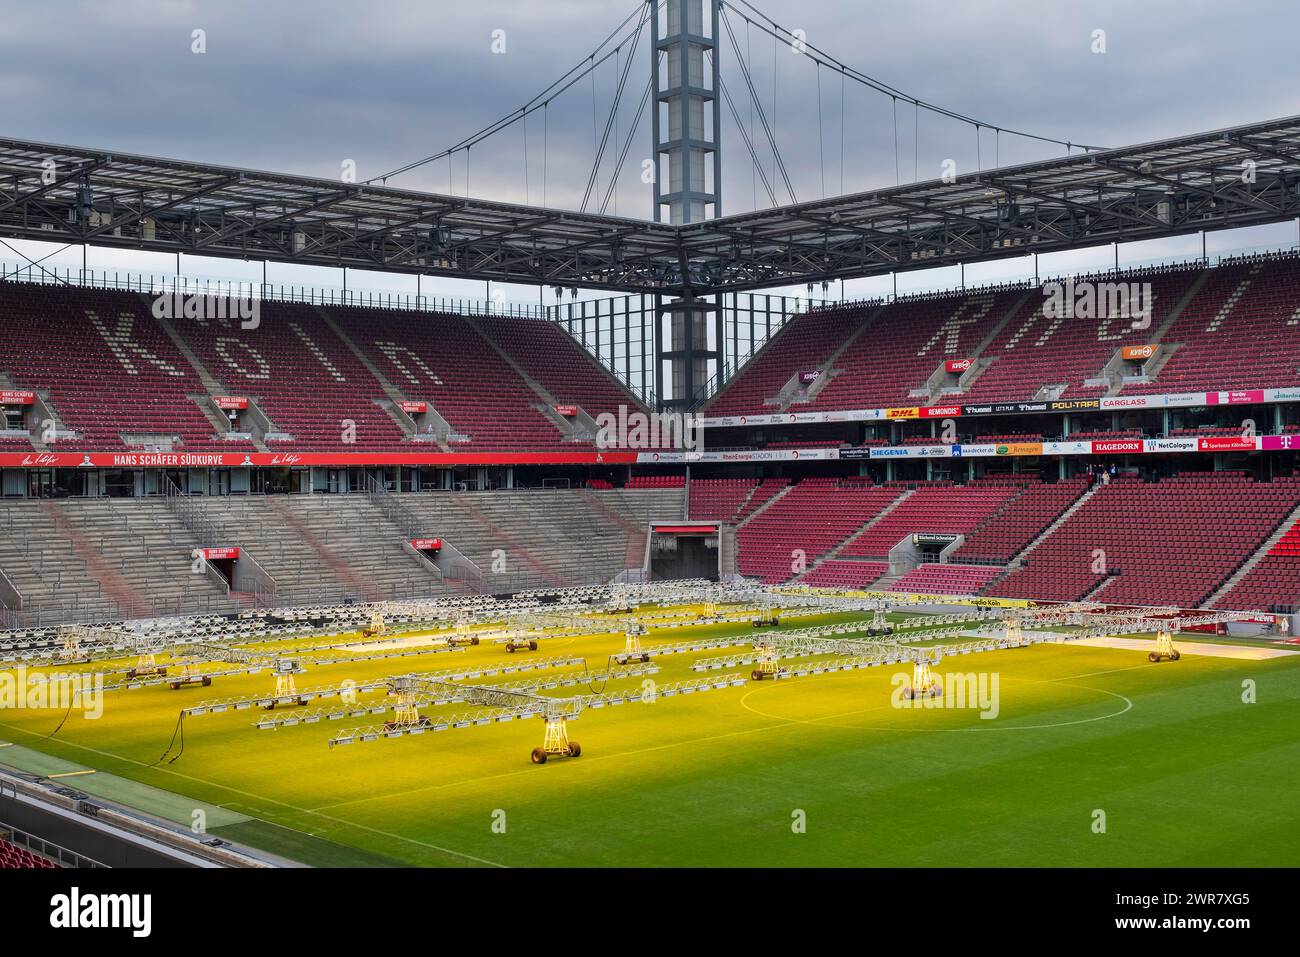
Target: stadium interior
{"points": [[87, 370], [363, 516]]}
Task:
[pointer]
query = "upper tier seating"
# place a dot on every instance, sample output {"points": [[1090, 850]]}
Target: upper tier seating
{"points": [[550, 356], [302, 376], [442, 359], [1169, 542], [903, 345], [802, 345], [1238, 332], [104, 362], [1035, 349], [1215, 342], [109, 369]]}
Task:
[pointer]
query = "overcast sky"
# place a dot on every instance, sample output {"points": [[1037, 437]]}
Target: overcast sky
{"points": [[303, 87]]}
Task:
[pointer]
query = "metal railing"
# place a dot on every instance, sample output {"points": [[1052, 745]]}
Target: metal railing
{"points": [[165, 284], [407, 522], [38, 845]]}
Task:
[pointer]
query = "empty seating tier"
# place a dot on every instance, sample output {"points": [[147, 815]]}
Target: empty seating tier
{"points": [[942, 579], [806, 523], [1144, 543]]}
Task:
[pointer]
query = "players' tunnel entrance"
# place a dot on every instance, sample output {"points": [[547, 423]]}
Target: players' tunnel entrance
{"points": [[684, 551]]}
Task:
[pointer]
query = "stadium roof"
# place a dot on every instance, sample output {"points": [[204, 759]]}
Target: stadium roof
{"points": [[1242, 176]]}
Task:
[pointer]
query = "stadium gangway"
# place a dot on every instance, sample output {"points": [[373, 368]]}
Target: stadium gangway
{"points": [[468, 673], [347, 709], [686, 647], [98, 643], [540, 707], [257, 666]]}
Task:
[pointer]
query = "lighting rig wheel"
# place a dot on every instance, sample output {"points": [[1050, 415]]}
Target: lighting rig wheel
{"points": [[473, 639], [539, 756], [775, 621], [1175, 655], [510, 648], [1153, 658], [756, 675], [532, 646], [871, 632], [575, 749]]}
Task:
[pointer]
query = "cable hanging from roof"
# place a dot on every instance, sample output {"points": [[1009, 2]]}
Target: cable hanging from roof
{"points": [[618, 37], [779, 33], [593, 181]]}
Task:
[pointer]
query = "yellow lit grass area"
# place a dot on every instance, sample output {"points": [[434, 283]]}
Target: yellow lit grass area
{"points": [[816, 770]]}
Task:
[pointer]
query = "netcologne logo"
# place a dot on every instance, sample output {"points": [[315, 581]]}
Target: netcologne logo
{"points": [[76, 910], [54, 691]]}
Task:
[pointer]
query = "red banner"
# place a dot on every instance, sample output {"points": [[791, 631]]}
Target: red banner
{"points": [[1225, 443], [232, 402], [426, 544], [1234, 398], [941, 412], [1117, 446], [213, 554], [17, 397], [411, 405], [162, 460], [958, 365], [568, 411]]}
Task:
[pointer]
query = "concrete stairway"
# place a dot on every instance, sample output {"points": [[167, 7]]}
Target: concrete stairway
{"points": [[1061, 519], [839, 546]]}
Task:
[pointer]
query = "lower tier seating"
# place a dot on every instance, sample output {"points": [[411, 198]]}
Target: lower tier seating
{"points": [[1169, 542], [937, 579]]}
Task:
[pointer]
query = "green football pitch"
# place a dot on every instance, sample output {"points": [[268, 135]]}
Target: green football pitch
{"points": [[1095, 757]]}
